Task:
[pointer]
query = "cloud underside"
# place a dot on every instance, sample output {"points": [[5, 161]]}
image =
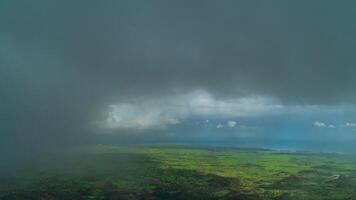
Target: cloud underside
{"points": [[124, 48]]}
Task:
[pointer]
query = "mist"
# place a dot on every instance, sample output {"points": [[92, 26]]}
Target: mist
{"points": [[269, 74]]}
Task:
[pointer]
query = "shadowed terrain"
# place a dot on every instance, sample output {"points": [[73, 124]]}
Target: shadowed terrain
{"points": [[182, 172]]}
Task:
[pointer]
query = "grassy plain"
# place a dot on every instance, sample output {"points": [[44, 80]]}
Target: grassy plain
{"points": [[182, 172]]}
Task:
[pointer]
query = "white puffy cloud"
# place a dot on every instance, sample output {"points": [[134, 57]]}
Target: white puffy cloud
{"points": [[323, 125], [219, 126], [153, 113], [231, 124], [134, 116], [158, 113], [350, 124], [319, 124]]}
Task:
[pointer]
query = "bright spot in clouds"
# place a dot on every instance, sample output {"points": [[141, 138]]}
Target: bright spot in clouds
{"points": [[219, 126], [319, 124], [349, 124], [323, 125], [231, 124]]}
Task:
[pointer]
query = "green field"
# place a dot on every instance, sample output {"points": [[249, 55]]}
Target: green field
{"points": [[182, 172]]}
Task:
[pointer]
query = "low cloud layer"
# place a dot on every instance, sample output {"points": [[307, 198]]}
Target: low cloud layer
{"points": [[325, 125], [164, 111]]}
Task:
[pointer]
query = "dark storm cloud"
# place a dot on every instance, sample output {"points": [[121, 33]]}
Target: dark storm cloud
{"points": [[300, 51], [61, 61]]}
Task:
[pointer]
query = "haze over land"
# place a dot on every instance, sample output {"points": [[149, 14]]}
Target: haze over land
{"points": [[277, 74]]}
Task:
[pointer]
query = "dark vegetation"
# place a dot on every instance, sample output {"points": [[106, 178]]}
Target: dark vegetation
{"points": [[175, 172]]}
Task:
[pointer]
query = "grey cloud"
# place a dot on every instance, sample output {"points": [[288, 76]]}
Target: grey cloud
{"points": [[296, 51], [63, 62]]}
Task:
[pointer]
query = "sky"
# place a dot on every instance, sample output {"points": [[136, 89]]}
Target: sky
{"points": [[274, 74]]}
